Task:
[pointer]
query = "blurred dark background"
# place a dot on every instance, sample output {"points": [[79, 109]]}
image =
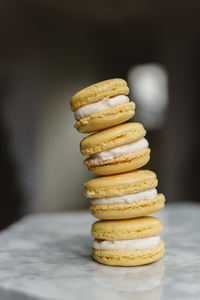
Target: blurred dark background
{"points": [[51, 49]]}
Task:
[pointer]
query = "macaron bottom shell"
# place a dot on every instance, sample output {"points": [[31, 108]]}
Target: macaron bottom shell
{"points": [[128, 210], [129, 258], [121, 164], [106, 118]]}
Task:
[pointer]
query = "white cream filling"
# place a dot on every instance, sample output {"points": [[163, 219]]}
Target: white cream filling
{"points": [[106, 103], [149, 194], [143, 243], [120, 150]]}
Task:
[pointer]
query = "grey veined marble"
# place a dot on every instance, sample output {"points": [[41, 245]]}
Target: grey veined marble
{"points": [[48, 256]]}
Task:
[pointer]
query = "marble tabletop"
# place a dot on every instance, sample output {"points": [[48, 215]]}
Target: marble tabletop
{"points": [[48, 256]]}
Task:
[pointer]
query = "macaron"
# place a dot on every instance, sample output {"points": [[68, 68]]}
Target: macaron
{"points": [[102, 105], [116, 150], [124, 196], [133, 242]]}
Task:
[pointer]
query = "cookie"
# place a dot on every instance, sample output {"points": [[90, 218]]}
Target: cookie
{"points": [[116, 150], [124, 196], [131, 242], [102, 105]]}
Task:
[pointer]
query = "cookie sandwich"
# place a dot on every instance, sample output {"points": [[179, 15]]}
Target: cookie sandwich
{"points": [[102, 105], [124, 196], [133, 242], [116, 150]]}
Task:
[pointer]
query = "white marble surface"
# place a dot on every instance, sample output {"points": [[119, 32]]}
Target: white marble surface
{"points": [[49, 257]]}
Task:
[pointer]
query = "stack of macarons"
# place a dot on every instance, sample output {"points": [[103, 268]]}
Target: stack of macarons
{"points": [[122, 196]]}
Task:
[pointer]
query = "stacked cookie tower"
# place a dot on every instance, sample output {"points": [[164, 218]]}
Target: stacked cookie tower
{"points": [[122, 196]]}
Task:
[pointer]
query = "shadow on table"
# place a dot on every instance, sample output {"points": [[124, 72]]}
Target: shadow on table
{"points": [[138, 283], [15, 295]]}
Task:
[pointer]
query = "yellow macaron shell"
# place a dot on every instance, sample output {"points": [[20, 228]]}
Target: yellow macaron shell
{"points": [[106, 118], [99, 91], [112, 137], [127, 229], [139, 208], [120, 164], [129, 258], [120, 184]]}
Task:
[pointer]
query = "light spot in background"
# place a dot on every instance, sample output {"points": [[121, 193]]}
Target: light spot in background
{"points": [[149, 90]]}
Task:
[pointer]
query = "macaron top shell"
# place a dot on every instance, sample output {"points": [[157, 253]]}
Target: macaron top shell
{"points": [[112, 137], [120, 184], [127, 229], [99, 91]]}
